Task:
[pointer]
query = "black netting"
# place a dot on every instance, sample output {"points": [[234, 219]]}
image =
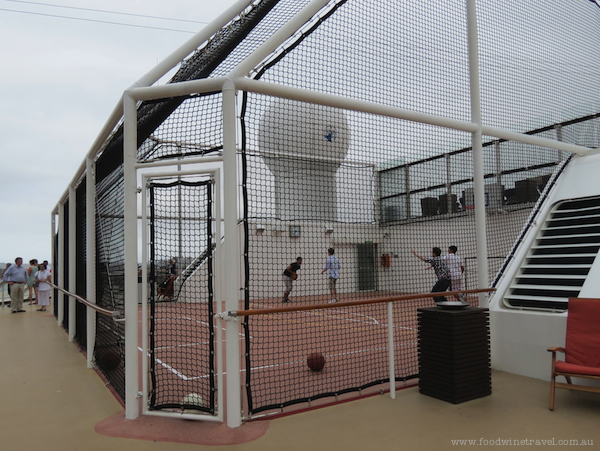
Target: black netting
{"points": [[109, 350], [370, 187], [152, 114], [534, 70], [375, 188], [80, 265], [181, 340], [194, 128]]}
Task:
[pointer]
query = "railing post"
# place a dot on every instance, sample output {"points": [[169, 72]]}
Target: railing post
{"points": [[390, 318], [90, 244], [72, 244], [53, 251], [61, 263]]}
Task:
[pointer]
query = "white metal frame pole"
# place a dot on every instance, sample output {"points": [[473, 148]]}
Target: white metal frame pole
{"points": [[193, 43], [52, 250], [478, 170], [279, 37], [72, 257], [232, 251], [320, 98], [145, 357], [61, 263], [164, 67], [219, 271], [131, 286], [90, 245]]}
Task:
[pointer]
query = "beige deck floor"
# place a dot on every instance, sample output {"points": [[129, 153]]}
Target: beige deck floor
{"points": [[50, 401]]}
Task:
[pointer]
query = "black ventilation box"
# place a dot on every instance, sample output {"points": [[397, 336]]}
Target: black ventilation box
{"points": [[454, 353], [429, 206]]}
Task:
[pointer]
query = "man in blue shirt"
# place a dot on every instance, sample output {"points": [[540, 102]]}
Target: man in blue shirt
{"points": [[16, 278], [332, 265]]}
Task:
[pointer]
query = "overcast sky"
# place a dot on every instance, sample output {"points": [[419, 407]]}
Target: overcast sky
{"points": [[59, 81], [61, 78]]}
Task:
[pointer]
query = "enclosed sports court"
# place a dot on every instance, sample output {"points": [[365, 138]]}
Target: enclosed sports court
{"points": [[289, 127]]}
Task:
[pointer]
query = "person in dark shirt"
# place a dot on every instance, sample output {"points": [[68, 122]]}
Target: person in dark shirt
{"points": [[441, 271], [289, 275]]}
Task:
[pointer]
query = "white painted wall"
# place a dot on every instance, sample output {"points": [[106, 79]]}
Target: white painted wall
{"points": [[272, 249]]}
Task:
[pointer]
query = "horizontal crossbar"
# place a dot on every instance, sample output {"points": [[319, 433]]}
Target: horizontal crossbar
{"points": [[381, 300]]}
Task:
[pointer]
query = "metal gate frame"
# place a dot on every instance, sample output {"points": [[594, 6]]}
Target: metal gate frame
{"points": [[217, 283]]}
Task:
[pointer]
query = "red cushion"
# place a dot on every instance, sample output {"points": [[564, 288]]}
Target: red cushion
{"points": [[563, 367], [582, 345]]}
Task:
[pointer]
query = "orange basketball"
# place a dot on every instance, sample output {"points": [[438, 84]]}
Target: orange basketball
{"points": [[294, 276], [315, 361]]}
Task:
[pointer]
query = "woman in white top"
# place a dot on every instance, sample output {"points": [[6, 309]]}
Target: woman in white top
{"points": [[43, 276]]}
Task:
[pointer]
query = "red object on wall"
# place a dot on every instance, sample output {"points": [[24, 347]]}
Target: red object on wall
{"points": [[386, 260]]}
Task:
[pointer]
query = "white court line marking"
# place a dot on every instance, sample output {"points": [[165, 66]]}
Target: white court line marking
{"points": [[188, 378], [168, 367], [307, 312], [173, 370], [187, 345], [373, 321], [191, 319], [329, 356]]}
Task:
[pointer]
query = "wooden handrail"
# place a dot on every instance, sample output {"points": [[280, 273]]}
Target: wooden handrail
{"points": [[352, 303], [116, 315]]}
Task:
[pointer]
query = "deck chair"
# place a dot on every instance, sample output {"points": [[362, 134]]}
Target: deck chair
{"points": [[582, 347]]}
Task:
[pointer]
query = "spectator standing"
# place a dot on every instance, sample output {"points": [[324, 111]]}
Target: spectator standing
{"points": [[32, 285], [16, 277], [43, 277], [3, 271]]}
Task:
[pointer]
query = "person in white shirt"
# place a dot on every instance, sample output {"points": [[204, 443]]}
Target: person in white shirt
{"points": [[457, 268], [44, 278], [332, 266]]}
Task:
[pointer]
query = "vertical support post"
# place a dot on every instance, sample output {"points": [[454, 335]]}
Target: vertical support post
{"points": [[559, 137], [145, 385], [131, 296], [231, 248], [478, 172], [498, 163], [377, 210], [61, 263], [407, 189], [52, 255], [219, 271], [449, 203], [390, 318], [90, 245], [72, 259]]}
